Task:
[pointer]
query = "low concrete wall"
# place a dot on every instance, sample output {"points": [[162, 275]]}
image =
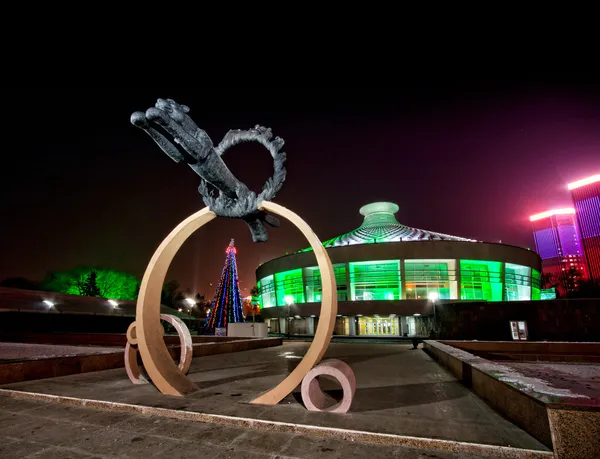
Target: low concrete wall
{"points": [[555, 347], [247, 329], [519, 408], [573, 320], [98, 339], [50, 367], [569, 426], [531, 351]]}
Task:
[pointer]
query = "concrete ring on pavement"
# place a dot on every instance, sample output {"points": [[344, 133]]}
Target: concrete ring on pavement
{"points": [[313, 397], [131, 352]]}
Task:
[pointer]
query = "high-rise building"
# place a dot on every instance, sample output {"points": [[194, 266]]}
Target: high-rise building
{"points": [[586, 199], [558, 243]]}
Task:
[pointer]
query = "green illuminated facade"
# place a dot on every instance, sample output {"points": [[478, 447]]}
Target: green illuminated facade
{"points": [[380, 280], [389, 278]]}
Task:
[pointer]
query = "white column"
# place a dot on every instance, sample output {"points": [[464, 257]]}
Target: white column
{"points": [[352, 325], [310, 326]]}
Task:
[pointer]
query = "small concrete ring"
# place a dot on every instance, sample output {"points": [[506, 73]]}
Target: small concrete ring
{"points": [[314, 397]]}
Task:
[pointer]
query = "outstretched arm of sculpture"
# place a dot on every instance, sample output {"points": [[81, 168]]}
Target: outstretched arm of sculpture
{"points": [[193, 145]]}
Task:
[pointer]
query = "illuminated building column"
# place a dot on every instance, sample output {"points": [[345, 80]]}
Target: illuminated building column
{"points": [[403, 326], [283, 325], [352, 325], [348, 292], [457, 274], [310, 325], [402, 280], [503, 281]]}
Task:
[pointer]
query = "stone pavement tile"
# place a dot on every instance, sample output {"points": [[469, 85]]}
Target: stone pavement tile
{"points": [[188, 450], [177, 429], [8, 419], [206, 433], [95, 417], [16, 405], [262, 442], [10, 449], [47, 431], [109, 442], [139, 423], [309, 447], [62, 453], [243, 454]]}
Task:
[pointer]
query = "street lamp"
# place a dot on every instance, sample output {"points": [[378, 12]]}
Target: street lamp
{"points": [[191, 303], [433, 296], [289, 299]]}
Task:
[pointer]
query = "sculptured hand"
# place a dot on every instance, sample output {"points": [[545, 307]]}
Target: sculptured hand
{"points": [[173, 118]]}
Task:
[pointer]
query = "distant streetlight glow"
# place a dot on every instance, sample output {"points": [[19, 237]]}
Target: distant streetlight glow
{"points": [[48, 303], [190, 301], [113, 303], [433, 296], [289, 299]]}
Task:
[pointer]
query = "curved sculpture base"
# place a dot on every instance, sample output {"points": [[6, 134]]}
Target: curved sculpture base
{"points": [[159, 365], [327, 314], [185, 357], [313, 397]]}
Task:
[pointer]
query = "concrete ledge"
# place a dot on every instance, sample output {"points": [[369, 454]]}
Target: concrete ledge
{"points": [[475, 449], [531, 351], [99, 339], [40, 368], [565, 422]]}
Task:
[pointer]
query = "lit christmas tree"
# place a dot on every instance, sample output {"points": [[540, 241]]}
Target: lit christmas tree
{"points": [[226, 306]]}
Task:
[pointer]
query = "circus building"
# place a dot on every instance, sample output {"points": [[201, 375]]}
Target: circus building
{"points": [[389, 276]]}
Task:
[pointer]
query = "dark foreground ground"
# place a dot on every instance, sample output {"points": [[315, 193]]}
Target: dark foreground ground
{"points": [[34, 430], [400, 391]]}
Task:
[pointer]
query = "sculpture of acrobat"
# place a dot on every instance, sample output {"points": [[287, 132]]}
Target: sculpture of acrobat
{"points": [[225, 196]]}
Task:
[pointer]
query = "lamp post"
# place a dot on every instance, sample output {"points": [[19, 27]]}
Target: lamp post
{"points": [[191, 303], [433, 296], [289, 299]]}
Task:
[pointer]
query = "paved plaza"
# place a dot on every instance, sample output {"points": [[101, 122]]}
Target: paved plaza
{"points": [[400, 391]]}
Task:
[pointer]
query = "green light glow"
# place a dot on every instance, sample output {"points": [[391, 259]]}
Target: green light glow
{"points": [[517, 281], [430, 278], [111, 284], [375, 280], [289, 284], [312, 280], [536, 293], [267, 292], [480, 280]]}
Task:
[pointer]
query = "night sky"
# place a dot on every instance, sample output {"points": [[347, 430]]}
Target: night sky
{"points": [[81, 186]]}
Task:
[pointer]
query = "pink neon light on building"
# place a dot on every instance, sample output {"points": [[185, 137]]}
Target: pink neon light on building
{"points": [[586, 198], [558, 242]]}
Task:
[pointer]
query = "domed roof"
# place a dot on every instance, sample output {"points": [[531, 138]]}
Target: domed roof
{"points": [[380, 226]]}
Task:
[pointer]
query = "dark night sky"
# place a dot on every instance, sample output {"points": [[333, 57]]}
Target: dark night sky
{"points": [[80, 185]]}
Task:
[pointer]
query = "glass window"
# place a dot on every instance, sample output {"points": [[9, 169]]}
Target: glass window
{"points": [[536, 293], [289, 287], [480, 280], [312, 280], [430, 279], [517, 279], [375, 280], [378, 326], [266, 291]]}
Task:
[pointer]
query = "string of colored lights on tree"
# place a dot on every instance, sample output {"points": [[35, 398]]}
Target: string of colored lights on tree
{"points": [[226, 306]]}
